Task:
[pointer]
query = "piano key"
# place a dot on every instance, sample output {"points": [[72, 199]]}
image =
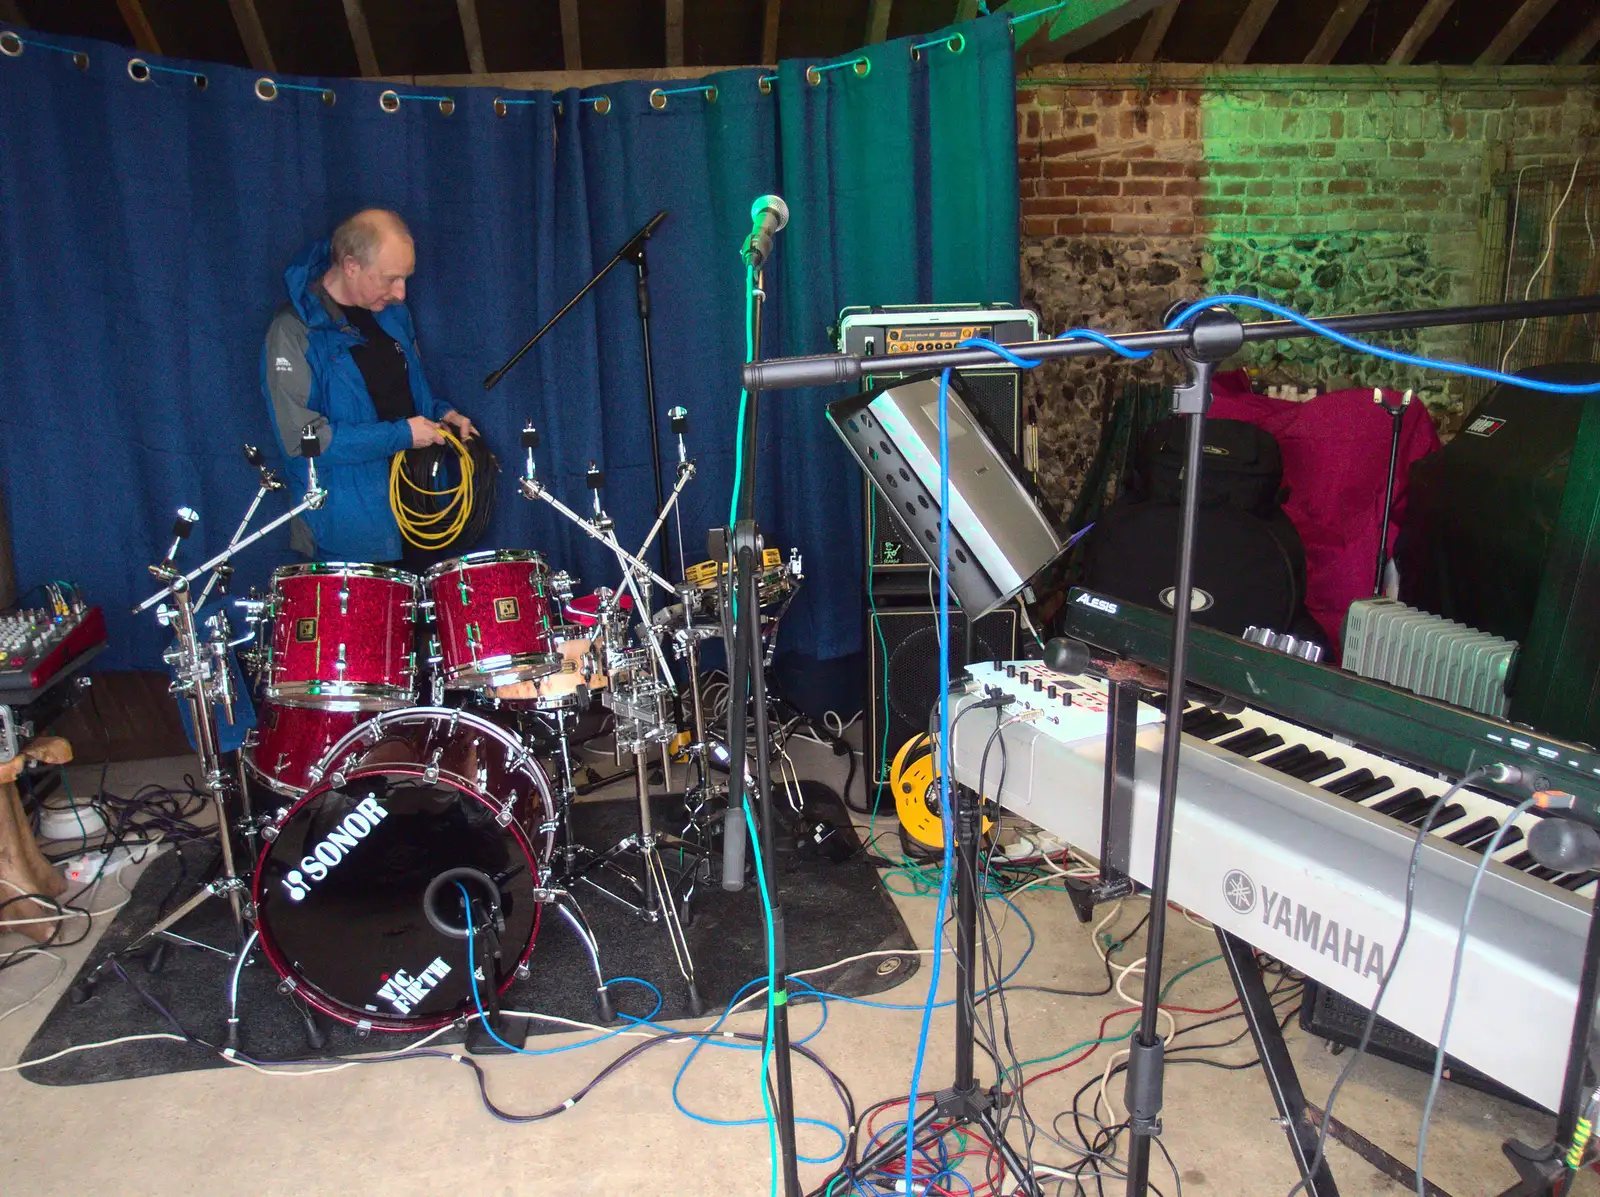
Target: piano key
{"points": [[1576, 881], [1354, 779], [1391, 804], [1251, 742], [1476, 832], [1316, 766], [1286, 759]]}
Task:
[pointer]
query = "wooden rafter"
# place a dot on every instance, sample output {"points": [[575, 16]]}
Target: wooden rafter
{"points": [[473, 36], [966, 10], [11, 14], [361, 37], [571, 43], [1342, 20], [769, 34], [1579, 47], [1062, 34], [1155, 32], [1421, 30], [256, 47], [674, 32], [1515, 32], [1250, 25], [138, 25], [878, 21]]}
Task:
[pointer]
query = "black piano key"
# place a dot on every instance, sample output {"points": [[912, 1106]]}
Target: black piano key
{"points": [[1447, 816], [1395, 801], [1576, 881], [1412, 811], [1524, 862], [1479, 830], [1341, 785], [1378, 785], [1512, 836], [1318, 764], [1251, 743], [1208, 725], [1285, 760], [1227, 727]]}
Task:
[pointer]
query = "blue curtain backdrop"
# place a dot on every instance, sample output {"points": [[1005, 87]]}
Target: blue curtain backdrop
{"points": [[144, 228]]}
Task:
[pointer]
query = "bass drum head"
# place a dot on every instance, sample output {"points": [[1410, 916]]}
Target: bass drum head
{"points": [[341, 896]]}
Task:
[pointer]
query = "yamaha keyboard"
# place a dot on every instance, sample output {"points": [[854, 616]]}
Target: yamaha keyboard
{"points": [[1298, 842]]}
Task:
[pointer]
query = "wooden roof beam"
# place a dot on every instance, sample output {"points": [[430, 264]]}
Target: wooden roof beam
{"points": [[674, 33], [473, 36], [138, 25], [1073, 28], [1579, 47], [1421, 30], [256, 47], [361, 37], [1247, 31], [11, 14], [1155, 32], [1515, 32], [769, 35], [571, 43], [878, 21], [1340, 22]]}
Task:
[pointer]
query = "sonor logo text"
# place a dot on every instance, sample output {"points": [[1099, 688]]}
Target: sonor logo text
{"points": [[352, 829]]}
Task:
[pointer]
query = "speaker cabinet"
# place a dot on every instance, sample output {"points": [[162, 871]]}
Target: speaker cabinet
{"points": [[895, 570], [903, 672]]}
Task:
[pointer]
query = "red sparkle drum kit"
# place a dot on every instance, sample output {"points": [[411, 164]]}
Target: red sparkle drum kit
{"points": [[403, 792]]}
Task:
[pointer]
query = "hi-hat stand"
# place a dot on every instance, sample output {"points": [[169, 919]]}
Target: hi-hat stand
{"points": [[1204, 339], [202, 679]]}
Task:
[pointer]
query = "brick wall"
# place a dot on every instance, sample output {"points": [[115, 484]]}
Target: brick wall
{"points": [[1336, 189]]}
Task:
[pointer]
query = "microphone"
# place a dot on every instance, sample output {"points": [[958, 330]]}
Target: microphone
{"points": [[1564, 844], [1065, 655], [770, 214]]}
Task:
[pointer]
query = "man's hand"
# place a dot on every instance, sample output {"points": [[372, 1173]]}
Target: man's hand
{"points": [[424, 432], [464, 427]]}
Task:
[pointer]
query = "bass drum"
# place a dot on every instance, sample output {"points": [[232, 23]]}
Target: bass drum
{"points": [[356, 894]]}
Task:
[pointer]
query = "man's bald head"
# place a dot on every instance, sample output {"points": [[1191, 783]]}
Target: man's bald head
{"points": [[371, 256]]}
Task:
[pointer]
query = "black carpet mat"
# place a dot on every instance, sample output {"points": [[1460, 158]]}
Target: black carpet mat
{"points": [[832, 911]]}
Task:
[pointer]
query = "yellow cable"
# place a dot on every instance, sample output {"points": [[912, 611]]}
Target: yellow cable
{"points": [[421, 528]]}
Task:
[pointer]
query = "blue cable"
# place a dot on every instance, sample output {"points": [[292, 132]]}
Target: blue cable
{"points": [[472, 979], [1393, 355], [772, 958], [944, 770]]}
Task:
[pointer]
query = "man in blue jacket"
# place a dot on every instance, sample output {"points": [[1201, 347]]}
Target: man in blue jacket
{"points": [[341, 354]]}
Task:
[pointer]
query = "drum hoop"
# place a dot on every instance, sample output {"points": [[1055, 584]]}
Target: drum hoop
{"points": [[272, 783], [487, 557], [306, 988], [487, 668], [344, 569], [411, 714], [343, 697]]}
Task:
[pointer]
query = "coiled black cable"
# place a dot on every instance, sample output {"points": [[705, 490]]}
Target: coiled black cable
{"points": [[434, 474]]}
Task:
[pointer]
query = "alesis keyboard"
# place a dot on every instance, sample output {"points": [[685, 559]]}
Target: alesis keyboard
{"points": [[1298, 843]]}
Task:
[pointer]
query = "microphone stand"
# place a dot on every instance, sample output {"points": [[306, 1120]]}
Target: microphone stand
{"points": [[747, 686], [632, 251]]}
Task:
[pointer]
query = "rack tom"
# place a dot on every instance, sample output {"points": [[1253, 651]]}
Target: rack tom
{"points": [[343, 637], [492, 614]]}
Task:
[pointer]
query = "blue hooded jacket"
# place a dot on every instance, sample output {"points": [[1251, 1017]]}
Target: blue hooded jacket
{"points": [[308, 376]]}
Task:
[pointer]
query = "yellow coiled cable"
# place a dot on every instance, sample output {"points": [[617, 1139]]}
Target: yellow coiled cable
{"points": [[432, 529]]}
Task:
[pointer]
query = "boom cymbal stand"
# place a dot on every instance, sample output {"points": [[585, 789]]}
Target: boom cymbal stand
{"points": [[202, 681], [638, 681]]}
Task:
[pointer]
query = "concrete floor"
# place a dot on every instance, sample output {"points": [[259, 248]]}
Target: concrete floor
{"points": [[417, 1127]]}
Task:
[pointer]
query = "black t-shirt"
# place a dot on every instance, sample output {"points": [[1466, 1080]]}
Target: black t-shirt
{"points": [[382, 361]]}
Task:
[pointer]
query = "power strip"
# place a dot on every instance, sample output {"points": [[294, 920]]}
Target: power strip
{"points": [[85, 868]]}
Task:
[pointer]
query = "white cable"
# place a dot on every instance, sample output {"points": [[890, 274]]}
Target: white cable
{"points": [[1105, 1079], [67, 911], [85, 1047], [61, 968], [1549, 247]]}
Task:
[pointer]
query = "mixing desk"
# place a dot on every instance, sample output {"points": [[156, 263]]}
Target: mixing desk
{"points": [[35, 645]]}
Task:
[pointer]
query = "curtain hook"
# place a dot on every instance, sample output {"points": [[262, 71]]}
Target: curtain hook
{"points": [[500, 108], [138, 70], [603, 105], [658, 99], [266, 89], [201, 82], [447, 105], [329, 97], [10, 44], [765, 82], [389, 101]]}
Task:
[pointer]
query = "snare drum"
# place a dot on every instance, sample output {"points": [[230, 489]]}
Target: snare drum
{"points": [[581, 666], [356, 891], [289, 742], [342, 637], [493, 611]]}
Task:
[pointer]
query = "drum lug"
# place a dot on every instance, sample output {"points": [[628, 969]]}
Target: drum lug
{"points": [[506, 808], [277, 770], [455, 720], [438, 690], [269, 832], [344, 598], [522, 970], [464, 588], [363, 1028], [431, 773], [287, 986], [435, 654], [338, 665], [338, 779]]}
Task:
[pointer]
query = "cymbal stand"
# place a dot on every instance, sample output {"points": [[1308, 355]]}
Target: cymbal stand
{"points": [[648, 890], [271, 480], [203, 681]]}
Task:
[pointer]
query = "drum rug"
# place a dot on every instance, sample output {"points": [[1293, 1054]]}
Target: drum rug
{"points": [[832, 911]]}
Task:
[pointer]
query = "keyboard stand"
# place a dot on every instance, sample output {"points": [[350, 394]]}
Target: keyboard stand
{"points": [[1116, 825]]}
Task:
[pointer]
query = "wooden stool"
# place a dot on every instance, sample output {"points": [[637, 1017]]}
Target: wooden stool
{"points": [[21, 863]]}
